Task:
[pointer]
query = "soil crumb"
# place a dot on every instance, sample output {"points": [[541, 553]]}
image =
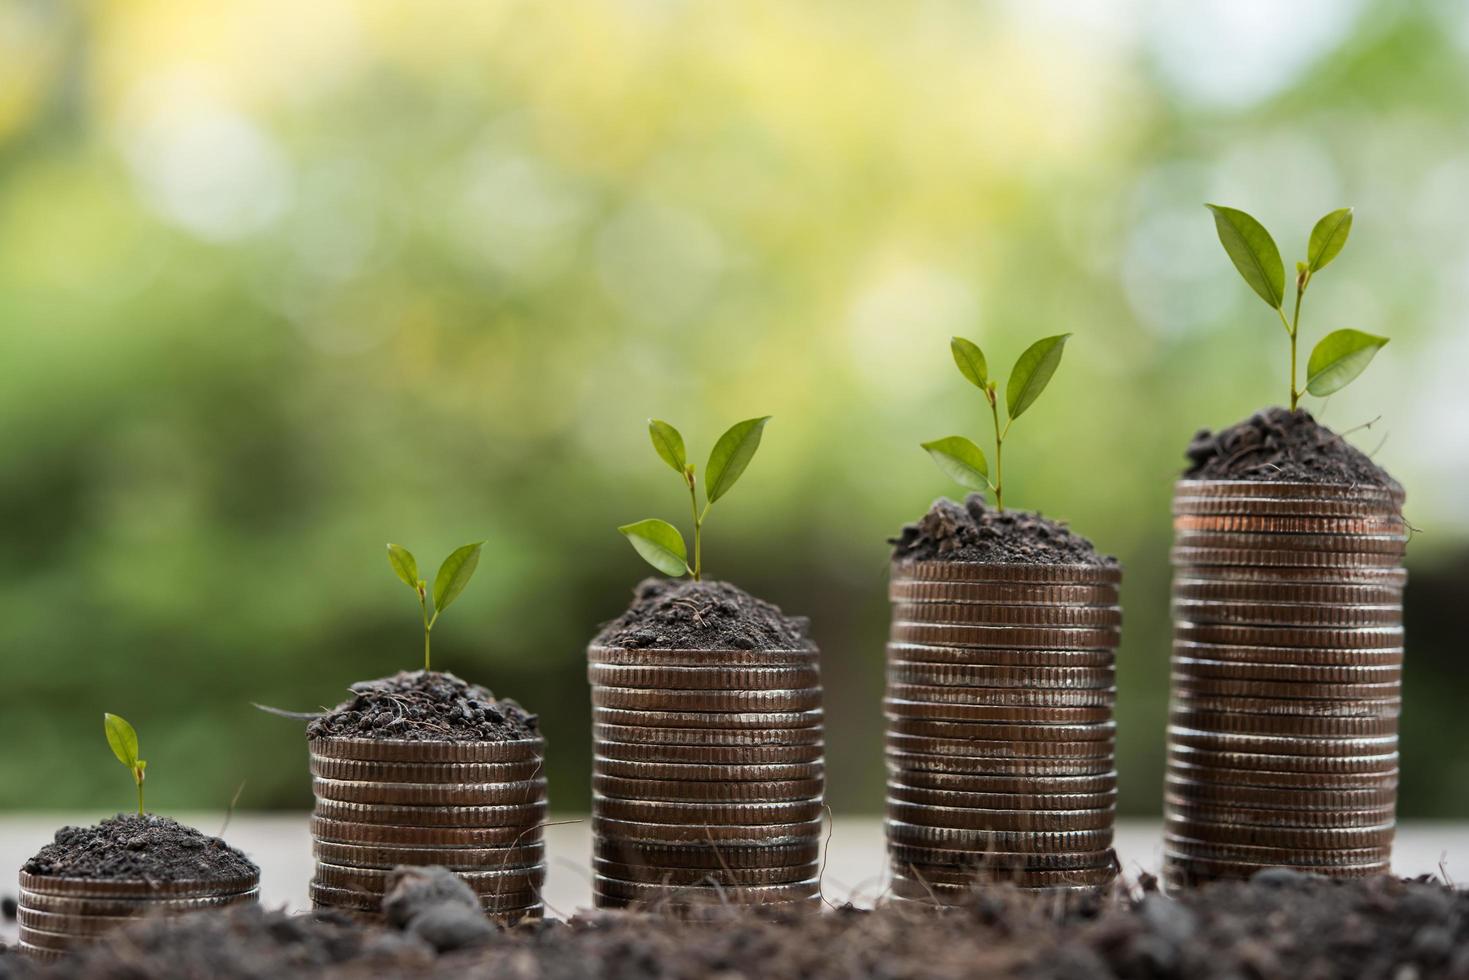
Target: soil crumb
{"points": [[133, 847], [973, 531], [1278, 444], [1282, 925], [425, 705], [683, 614]]}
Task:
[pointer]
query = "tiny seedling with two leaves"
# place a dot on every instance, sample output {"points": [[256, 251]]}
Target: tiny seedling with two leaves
{"points": [[659, 542], [124, 742], [1342, 354], [453, 576], [959, 457]]}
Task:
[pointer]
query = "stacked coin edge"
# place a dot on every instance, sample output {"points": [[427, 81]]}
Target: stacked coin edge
{"points": [[58, 915], [1000, 736], [708, 777], [1286, 679], [476, 808]]}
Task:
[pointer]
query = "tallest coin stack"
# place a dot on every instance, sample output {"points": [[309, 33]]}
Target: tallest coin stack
{"points": [[1287, 664]]}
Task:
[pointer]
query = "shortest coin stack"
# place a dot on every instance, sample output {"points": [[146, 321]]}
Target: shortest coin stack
{"points": [[476, 808], [707, 777], [1000, 738], [59, 914], [1287, 666]]}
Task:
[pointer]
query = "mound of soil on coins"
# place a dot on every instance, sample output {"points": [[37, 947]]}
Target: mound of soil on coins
{"points": [[134, 847], [1278, 444], [973, 531], [682, 614], [425, 705], [1282, 925]]}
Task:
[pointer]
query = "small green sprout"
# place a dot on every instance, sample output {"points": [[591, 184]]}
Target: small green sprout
{"points": [[1341, 355], [453, 576], [124, 742], [960, 458], [659, 542]]}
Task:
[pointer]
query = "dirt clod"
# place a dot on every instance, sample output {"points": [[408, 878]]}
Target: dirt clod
{"points": [[147, 847], [974, 531], [687, 615], [1278, 444], [425, 705]]}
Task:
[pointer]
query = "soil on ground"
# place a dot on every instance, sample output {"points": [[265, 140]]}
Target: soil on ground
{"points": [[1278, 444], [682, 614], [425, 705], [133, 847], [974, 531], [1283, 925]]}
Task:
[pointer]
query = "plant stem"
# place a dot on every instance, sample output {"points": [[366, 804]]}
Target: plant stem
{"points": [[140, 795], [1292, 327], [698, 568], [999, 455], [428, 627]]}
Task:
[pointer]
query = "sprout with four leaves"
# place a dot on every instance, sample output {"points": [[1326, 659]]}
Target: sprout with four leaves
{"points": [[959, 457], [124, 742], [453, 576], [1342, 354], [659, 542]]}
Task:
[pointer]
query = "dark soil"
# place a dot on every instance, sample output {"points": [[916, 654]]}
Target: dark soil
{"points": [[1281, 926], [148, 848], [1278, 444], [682, 614], [973, 531], [421, 706]]}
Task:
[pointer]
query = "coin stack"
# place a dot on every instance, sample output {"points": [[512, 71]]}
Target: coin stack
{"points": [[1000, 738], [707, 777], [476, 808], [1287, 662], [59, 914]]}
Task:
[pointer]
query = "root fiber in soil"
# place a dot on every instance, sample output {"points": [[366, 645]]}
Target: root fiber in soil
{"points": [[423, 706], [974, 531], [686, 615], [1280, 925], [134, 847], [1278, 444]]}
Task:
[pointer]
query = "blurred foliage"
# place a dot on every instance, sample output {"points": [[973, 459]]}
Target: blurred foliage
{"points": [[280, 282]]}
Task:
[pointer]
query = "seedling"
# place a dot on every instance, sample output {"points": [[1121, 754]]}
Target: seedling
{"points": [[960, 458], [659, 542], [1342, 354], [124, 742], [453, 576]]}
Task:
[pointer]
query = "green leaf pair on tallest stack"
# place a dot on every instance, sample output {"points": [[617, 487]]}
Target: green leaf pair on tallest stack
{"points": [[1341, 355]]}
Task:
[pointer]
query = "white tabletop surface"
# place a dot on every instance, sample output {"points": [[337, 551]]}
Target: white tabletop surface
{"points": [[281, 845]]}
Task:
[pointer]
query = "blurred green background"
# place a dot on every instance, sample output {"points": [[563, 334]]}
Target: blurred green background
{"points": [[280, 282]]}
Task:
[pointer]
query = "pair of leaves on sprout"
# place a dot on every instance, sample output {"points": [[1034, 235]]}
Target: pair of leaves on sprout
{"points": [[1341, 355], [962, 460], [454, 574], [123, 739], [660, 543]]}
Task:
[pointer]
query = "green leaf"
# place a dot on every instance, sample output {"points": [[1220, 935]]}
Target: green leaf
{"points": [[1032, 372], [1253, 252], [970, 360], [660, 544], [961, 460], [1339, 358], [404, 565], [122, 738], [669, 444], [1328, 237], [454, 574], [732, 453]]}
